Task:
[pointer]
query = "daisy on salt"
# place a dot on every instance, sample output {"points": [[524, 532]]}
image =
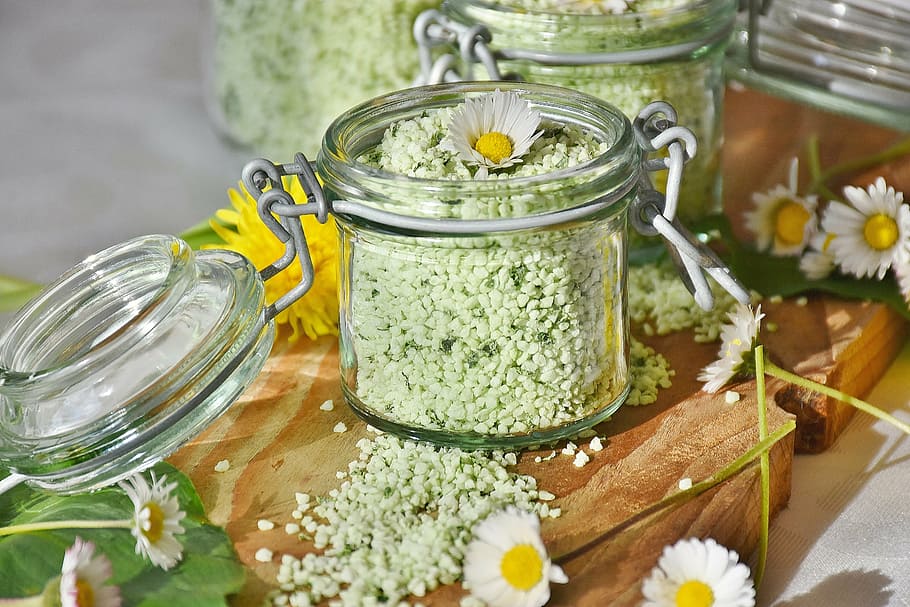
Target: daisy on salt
{"points": [[506, 565], [873, 231], [83, 578], [735, 357], [783, 220], [156, 519], [492, 131], [696, 573]]}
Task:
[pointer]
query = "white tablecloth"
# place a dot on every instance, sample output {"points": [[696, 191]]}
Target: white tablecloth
{"points": [[105, 137]]}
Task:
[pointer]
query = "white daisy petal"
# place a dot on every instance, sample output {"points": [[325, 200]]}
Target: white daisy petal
{"points": [[738, 340], [873, 231], [497, 561], [694, 562], [156, 519], [782, 220], [503, 118], [84, 574]]}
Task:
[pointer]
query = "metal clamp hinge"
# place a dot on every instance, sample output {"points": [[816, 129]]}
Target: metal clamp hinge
{"points": [[654, 213]]}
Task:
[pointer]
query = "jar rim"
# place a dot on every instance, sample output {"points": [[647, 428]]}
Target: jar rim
{"points": [[612, 173]]}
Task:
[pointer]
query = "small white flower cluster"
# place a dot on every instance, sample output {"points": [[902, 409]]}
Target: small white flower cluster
{"points": [[493, 334], [673, 310], [867, 235], [400, 523]]}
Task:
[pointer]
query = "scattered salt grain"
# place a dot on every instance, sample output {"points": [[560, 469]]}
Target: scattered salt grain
{"points": [[223, 466], [265, 525], [569, 449], [596, 444], [327, 405], [555, 512], [685, 484], [297, 514], [292, 528], [263, 555], [537, 459], [339, 428], [551, 456], [731, 397], [581, 458]]}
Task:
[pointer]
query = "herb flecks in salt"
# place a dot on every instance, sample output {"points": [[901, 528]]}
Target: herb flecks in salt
{"points": [[401, 522], [489, 334]]}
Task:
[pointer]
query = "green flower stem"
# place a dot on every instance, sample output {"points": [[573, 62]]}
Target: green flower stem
{"points": [[813, 159], [51, 525], [763, 446], [774, 370], [26, 601], [765, 464], [895, 151]]}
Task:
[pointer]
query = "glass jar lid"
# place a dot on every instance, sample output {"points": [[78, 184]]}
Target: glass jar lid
{"points": [[124, 358]]}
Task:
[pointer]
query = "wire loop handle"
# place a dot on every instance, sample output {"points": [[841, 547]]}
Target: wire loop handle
{"points": [[259, 174], [654, 213], [433, 29]]}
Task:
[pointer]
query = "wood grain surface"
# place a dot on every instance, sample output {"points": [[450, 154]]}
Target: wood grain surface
{"points": [[278, 441]]}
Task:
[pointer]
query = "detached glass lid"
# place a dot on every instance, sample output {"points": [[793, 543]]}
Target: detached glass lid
{"points": [[130, 354]]}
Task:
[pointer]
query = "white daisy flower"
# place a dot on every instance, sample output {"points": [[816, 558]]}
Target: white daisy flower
{"points": [[156, 519], [695, 573], [506, 565], [872, 233], [738, 340], [818, 262], [83, 578], [783, 220], [492, 131]]}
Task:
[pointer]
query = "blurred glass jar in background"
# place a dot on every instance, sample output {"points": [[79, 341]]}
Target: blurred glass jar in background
{"points": [[845, 56], [627, 52], [281, 70]]}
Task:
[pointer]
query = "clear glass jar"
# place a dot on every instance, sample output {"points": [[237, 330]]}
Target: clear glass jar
{"points": [[851, 57], [487, 337], [124, 358], [280, 71], [673, 54]]}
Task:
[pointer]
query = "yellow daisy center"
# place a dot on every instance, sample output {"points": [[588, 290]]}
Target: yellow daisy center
{"points": [[880, 232], [522, 567], [694, 594], [790, 222], [85, 594], [494, 146], [155, 526]]}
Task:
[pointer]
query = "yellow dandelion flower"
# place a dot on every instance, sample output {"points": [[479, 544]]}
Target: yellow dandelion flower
{"points": [[314, 314]]}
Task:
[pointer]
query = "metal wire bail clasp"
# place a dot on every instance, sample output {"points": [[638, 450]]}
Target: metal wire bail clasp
{"points": [[432, 29], [654, 213], [257, 176]]}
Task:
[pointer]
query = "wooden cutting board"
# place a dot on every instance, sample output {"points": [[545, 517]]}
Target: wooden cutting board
{"points": [[278, 441]]}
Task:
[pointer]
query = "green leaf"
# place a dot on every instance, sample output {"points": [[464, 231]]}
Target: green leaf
{"points": [[14, 293], [208, 572], [771, 275], [200, 234]]}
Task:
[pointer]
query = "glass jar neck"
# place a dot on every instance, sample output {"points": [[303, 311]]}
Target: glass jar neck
{"points": [[612, 175]]}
